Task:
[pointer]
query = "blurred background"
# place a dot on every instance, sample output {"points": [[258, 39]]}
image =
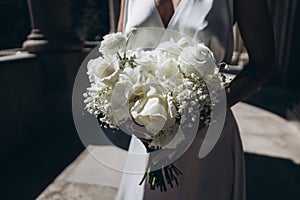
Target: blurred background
{"points": [[43, 43]]}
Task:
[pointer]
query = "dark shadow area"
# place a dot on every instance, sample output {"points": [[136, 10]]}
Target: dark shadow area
{"points": [[274, 99], [272, 178], [90, 19], [31, 167], [14, 17]]}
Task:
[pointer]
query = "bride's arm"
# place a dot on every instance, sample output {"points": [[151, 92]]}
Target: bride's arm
{"points": [[121, 17], [256, 30]]}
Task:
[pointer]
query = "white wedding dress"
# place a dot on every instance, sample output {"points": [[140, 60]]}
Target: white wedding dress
{"points": [[221, 174]]}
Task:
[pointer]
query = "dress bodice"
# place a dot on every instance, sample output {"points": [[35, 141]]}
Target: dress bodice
{"points": [[206, 21]]}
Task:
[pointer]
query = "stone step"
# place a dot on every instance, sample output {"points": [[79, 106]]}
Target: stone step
{"points": [[266, 133]]}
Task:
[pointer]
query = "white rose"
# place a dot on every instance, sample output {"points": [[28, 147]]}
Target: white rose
{"points": [[151, 109], [197, 59], [120, 99], [185, 42], [133, 73], [167, 68], [112, 43], [171, 47], [146, 61], [174, 48], [150, 113], [169, 72], [103, 70]]}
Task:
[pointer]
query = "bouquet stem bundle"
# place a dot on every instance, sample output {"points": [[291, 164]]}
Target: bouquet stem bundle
{"points": [[158, 178]]}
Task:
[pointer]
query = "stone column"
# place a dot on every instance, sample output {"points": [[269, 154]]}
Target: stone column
{"points": [[51, 27], [114, 11], [59, 54]]}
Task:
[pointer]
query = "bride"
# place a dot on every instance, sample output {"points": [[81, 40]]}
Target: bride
{"points": [[221, 174]]}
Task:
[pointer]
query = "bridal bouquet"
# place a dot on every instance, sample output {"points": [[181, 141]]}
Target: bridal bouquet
{"points": [[153, 92]]}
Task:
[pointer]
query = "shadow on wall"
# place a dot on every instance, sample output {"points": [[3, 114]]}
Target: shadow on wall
{"points": [[15, 23], [37, 87], [90, 18]]}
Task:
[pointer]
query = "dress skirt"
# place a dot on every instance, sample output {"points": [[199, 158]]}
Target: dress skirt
{"points": [[218, 176]]}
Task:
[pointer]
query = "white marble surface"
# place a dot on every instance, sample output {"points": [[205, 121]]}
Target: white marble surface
{"points": [[97, 165], [265, 133], [63, 190], [88, 178]]}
